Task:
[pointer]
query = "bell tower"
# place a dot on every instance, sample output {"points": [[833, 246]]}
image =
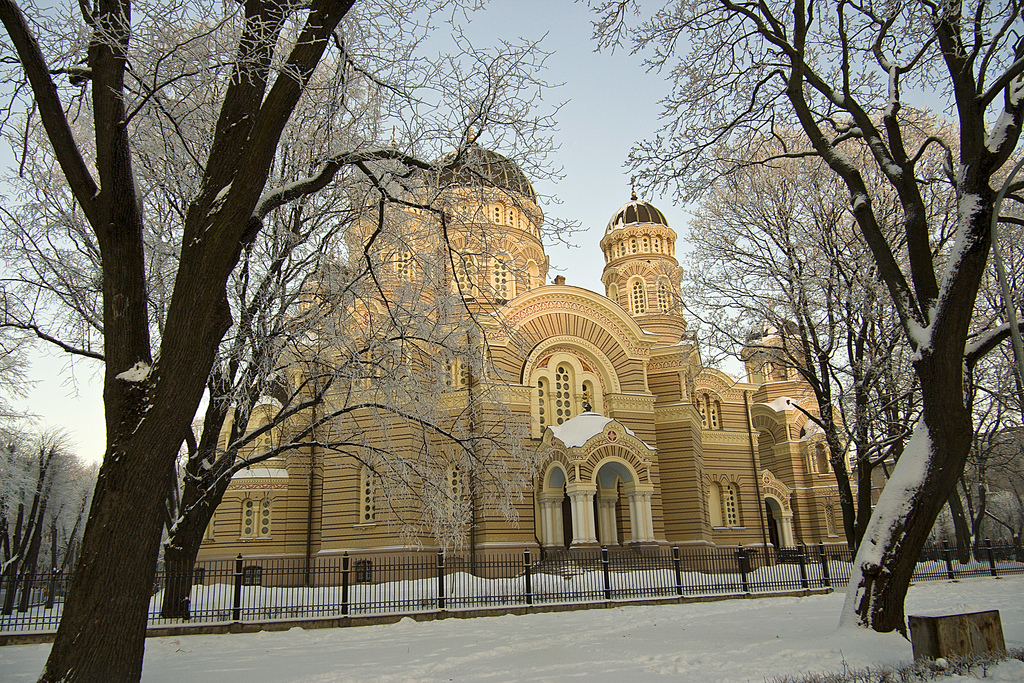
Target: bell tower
{"points": [[641, 273]]}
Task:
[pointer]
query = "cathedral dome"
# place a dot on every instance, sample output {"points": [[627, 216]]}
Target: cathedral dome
{"points": [[633, 212], [478, 166]]}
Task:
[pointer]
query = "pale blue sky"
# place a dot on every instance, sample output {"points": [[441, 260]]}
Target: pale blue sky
{"points": [[610, 102]]}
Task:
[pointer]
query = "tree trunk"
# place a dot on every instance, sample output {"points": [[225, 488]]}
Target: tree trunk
{"points": [[102, 632], [199, 501], [961, 528], [925, 475]]}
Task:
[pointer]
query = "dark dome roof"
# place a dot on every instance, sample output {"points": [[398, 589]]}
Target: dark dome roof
{"points": [[482, 167], [635, 211]]}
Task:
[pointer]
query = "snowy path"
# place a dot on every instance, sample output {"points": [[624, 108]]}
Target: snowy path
{"points": [[730, 641]]}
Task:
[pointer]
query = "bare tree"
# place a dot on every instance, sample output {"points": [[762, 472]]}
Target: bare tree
{"points": [[778, 272], [111, 61], [43, 490], [842, 74]]}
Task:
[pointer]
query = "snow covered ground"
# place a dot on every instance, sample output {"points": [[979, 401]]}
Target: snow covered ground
{"points": [[729, 641]]}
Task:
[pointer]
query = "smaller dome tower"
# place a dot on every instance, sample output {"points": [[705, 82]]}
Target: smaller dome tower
{"points": [[641, 273]]}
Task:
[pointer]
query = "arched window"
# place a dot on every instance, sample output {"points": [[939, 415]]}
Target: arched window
{"points": [[710, 409], [542, 403], [512, 218], [657, 245], [645, 244], [368, 494], [663, 296], [501, 277], [830, 520], [256, 516], [533, 273], [622, 248], [465, 275], [587, 396], [821, 458], [638, 297], [633, 246], [496, 212], [613, 292], [731, 505]]}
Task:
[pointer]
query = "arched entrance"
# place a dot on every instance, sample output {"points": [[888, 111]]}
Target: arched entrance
{"points": [[595, 485]]}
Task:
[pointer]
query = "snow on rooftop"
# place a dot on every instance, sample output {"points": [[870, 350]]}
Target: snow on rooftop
{"points": [[780, 404], [580, 429], [261, 473]]}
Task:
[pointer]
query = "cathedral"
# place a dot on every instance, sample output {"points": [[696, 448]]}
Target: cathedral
{"points": [[637, 443]]}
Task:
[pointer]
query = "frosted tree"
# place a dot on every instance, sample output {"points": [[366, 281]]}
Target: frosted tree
{"points": [[778, 272], [44, 490], [843, 74], [95, 77]]}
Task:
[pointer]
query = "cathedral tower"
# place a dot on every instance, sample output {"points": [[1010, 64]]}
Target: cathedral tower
{"points": [[641, 273]]}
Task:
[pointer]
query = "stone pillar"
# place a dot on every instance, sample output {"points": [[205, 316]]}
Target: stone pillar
{"points": [[609, 532], [641, 519], [551, 522], [583, 527]]}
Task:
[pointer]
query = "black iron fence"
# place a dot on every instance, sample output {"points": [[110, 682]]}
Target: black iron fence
{"points": [[260, 590]]}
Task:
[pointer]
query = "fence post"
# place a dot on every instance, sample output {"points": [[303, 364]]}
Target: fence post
{"points": [[526, 571], [346, 569], [236, 605], [991, 557], [440, 579], [947, 556], [679, 572], [802, 557], [744, 566], [607, 574], [823, 558]]}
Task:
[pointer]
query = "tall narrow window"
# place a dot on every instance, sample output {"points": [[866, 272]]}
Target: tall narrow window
{"points": [[542, 403], [501, 278], [563, 394], [497, 214], [368, 489], [638, 297], [830, 520], [657, 245], [731, 505], [702, 407], [633, 246], [588, 394], [455, 486], [465, 275], [645, 244], [663, 296], [714, 413]]}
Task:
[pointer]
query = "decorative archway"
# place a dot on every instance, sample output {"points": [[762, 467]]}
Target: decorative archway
{"points": [[595, 464], [778, 510]]}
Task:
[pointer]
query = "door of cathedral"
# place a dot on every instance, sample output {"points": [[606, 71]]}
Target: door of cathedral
{"points": [[773, 526]]}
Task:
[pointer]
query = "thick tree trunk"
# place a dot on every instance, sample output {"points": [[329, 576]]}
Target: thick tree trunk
{"points": [[925, 475], [102, 632]]}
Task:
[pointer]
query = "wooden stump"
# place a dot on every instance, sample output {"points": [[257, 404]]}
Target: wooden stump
{"points": [[956, 634]]}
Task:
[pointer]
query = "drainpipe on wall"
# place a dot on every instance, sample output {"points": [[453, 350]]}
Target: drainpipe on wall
{"points": [[757, 470]]}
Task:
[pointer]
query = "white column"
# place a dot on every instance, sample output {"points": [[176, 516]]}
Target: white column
{"points": [[583, 517], [551, 522], [787, 531], [641, 518], [609, 532]]}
